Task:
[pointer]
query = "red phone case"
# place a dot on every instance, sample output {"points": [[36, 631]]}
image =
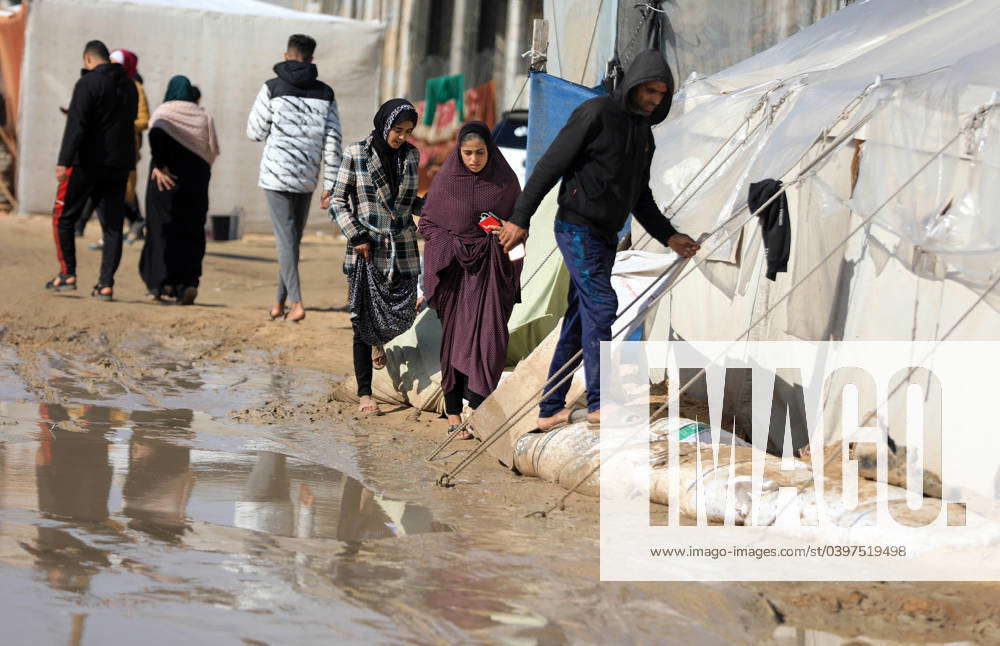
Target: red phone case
{"points": [[489, 221]]}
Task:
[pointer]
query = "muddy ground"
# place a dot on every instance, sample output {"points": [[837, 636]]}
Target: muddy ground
{"points": [[487, 508]]}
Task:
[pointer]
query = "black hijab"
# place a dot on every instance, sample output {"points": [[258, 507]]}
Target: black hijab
{"points": [[392, 112]]}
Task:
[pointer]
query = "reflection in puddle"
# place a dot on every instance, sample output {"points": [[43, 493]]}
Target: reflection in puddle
{"points": [[164, 484], [118, 521], [122, 507]]}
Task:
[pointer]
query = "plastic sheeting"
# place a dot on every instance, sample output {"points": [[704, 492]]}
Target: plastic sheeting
{"points": [[552, 102], [581, 40], [806, 84], [226, 47], [924, 256], [706, 36], [571, 456]]}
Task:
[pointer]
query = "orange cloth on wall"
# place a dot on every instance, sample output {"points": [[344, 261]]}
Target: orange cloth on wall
{"points": [[11, 54], [436, 141]]}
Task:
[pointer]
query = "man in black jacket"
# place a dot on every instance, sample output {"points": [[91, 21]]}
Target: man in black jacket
{"points": [[602, 155], [97, 153]]}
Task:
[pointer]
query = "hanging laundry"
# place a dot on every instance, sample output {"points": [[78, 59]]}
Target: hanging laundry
{"points": [[776, 226], [441, 89]]}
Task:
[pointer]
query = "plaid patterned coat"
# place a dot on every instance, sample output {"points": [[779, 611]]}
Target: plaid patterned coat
{"points": [[360, 207]]}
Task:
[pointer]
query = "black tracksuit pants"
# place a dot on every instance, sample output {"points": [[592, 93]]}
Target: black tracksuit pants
{"points": [[81, 184]]}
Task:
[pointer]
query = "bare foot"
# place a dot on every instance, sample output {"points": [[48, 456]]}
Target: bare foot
{"points": [[367, 405], [297, 313], [547, 423], [277, 311], [594, 417]]}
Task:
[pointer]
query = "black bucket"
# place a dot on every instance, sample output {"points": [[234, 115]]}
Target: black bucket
{"points": [[225, 227]]}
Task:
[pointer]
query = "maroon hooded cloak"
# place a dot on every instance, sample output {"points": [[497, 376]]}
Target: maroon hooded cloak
{"points": [[468, 279]]}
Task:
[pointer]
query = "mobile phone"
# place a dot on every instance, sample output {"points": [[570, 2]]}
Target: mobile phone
{"points": [[489, 220]]}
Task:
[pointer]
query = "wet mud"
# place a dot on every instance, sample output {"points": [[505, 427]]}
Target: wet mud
{"points": [[163, 480]]}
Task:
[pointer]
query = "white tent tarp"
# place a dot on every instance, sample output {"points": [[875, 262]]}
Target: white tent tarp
{"points": [[226, 47], [922, 70]]}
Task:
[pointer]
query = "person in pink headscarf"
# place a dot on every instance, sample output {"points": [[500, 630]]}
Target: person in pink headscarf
{"points": [[130, 62]]}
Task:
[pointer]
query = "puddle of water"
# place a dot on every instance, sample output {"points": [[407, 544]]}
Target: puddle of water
{"points": [[145, 469], [105, 507], [174, 525], [121, 521]]}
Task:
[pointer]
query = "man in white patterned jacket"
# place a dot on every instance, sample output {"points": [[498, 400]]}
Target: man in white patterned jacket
{"points": [[296, 117]]}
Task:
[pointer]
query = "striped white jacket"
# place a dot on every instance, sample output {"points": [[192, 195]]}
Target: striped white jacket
{"points": [[296, 117]]}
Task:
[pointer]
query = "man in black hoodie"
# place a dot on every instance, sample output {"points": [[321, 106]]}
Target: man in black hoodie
{"points": [[97, 153], [602, 155]]}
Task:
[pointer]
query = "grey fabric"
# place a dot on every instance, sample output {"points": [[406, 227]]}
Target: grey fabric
{"points": [[289, 212]]}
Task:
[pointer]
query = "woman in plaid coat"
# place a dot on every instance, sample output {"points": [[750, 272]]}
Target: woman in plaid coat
{"points": [[373, 202]]}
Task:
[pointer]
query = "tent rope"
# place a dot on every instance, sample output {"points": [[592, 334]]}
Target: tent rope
{"points": [[590, 47], [753, 110], [974, 121], [669, 208], [507, 424], [764, 100]]}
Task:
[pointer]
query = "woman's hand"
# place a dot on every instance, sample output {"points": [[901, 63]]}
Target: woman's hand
{"points": [[364, 250], [494, 229], [164, 179]]}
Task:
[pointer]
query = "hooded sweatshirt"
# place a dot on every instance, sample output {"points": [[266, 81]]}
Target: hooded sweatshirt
{"points": [[100, 121], [296, 117], [602, 155]]}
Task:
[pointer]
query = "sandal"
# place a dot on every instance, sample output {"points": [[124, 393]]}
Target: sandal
{"points": [[187, 296], [378, 357], [464, 434], [60, 284], [99, 294], [371, 410]]}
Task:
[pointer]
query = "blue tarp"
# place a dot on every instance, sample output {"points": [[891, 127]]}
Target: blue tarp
{"points": [[552, 102]]}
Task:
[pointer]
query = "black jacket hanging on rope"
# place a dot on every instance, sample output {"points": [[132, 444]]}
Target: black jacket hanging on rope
{"points": [[776, 226]]}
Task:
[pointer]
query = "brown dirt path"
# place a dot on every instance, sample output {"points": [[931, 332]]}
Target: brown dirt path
{"points": [[229, 317]]}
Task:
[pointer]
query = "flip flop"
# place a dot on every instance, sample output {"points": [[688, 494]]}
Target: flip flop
{"points": [[369, 411], [96, 293], [59, 284], [464, 434]]}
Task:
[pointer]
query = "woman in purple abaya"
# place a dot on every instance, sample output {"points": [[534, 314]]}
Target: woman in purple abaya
{"points": [[468, 279]]}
